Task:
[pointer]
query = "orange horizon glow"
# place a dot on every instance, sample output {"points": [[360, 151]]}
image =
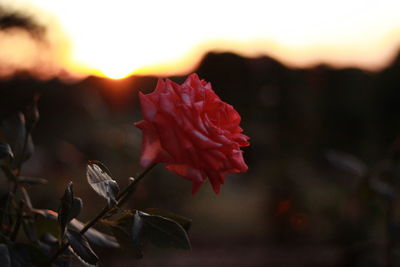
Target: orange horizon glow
{"points": [[122, 38]]}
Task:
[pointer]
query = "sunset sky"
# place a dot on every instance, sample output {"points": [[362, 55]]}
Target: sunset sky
{"points": [[118, 38]]}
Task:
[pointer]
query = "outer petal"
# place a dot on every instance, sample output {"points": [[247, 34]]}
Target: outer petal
{"points": [[149, 109], [187, 172], [241, 139], [238, 164], [152, 151], [216, 179], [193, 81], [160, 87], [196, 186]]}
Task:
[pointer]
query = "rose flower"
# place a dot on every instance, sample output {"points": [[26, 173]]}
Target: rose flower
{"points": [[190, 129]]}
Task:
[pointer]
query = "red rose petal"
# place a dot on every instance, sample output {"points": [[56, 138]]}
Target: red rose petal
{"points": [[193, 131], [151, 148]]}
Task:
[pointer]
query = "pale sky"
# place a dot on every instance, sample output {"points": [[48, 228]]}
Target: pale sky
{"points": [[117, 38]]}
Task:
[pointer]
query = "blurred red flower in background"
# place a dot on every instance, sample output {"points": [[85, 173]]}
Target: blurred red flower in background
{"points": [[190, 129]]}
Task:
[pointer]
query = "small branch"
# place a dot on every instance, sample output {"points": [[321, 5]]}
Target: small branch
{"points": [[127, 192], [20, 159], [13, 176], [121, 198]]}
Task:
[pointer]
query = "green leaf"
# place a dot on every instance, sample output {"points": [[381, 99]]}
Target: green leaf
{"points": [[31, 180], [100, 180], [4, 256], [164, 232], [6, 154], [81, 248], [121, 228], [186, 223], [70, 207]]}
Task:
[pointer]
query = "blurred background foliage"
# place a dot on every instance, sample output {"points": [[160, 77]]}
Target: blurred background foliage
{"points": [[292, 208]]}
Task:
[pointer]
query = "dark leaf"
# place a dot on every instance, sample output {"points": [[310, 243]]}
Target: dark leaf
{"points": [[6, 154], [19, 256], [15, 132], [125, 241], [70, 207], [26, 198], [100, 180], [29, 148], [34, 254], [4, 256], [164, 232], [31, 180], [31, 113], [186, 223], [381, 187], [8, 173], [48, 214], [29, 229], [49, 239], [28, 255], [6, 213], [137, 229], [76, 207], [18, 209], [94, 236], [81, 248], [49, 245], [47, 221], [122, 230], [64, 260], [346, 162]]}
